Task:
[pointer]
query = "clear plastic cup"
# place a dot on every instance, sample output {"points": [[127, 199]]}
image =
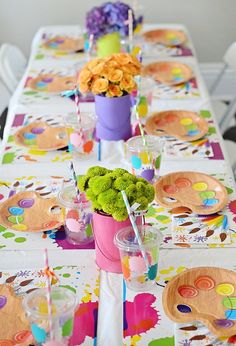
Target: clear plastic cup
{"points": [[146, 96], [78, 216], [145, 158], [63, 307], [81, 138], [138, 275]]}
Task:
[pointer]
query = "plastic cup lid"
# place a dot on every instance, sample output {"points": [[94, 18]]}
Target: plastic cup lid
{"points": [[125, 238]]}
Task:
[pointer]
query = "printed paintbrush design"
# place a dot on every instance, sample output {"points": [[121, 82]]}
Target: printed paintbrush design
{"points": [[200, 229]]}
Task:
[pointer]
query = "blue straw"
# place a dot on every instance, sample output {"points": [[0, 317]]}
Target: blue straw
{"points": [[99, 150]]}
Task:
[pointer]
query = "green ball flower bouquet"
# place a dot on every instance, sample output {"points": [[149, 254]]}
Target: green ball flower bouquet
{"points": [[103, 188]]}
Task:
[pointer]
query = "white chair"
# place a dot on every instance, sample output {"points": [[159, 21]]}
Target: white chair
{"points": [[12, 65], [4, 100], [224, 117]]}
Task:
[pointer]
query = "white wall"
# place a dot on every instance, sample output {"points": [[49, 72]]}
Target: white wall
{"points": [[210, 22]]}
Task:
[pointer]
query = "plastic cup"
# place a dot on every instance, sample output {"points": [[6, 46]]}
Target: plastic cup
{"points": [[145, 159], [78, 230], [144, 106], [138, 276], [80, 141], [63, 306]]}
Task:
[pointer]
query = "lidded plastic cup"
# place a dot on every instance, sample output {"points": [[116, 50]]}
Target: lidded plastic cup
{"points": [[78, 216], [63, 306], [145, 158], [139, 272]]}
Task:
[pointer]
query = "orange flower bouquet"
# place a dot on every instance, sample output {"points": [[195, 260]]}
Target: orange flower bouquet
{"points": [[111, 76], [111, 80]]}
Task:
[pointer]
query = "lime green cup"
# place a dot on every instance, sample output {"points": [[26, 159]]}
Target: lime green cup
{"points": [[108, 44]]}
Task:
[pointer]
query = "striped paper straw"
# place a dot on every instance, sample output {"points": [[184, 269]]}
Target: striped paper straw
{"points": [[130, 23], [76, 91], [49, 294], [135, 228], [74, 179]]}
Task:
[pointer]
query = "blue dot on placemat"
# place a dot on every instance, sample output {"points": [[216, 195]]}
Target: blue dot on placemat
{"points": [[136, 162], [210, 201], [185, 309], [28, 135], [16, 211], [38, 333]]}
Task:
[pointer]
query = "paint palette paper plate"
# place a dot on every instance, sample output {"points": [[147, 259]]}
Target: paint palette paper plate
{"points": [[65, 44], [169, 72], [51, 83], [28, 211], [184, 125], [41, 136], [206, 294], [166, 37], [199, 192], [14, 326]]}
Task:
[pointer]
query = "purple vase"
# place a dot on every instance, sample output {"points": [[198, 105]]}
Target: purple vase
{"points": [[113, 115]]}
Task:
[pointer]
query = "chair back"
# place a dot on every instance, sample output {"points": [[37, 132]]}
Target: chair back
{"points": [[230, 56], [12, 65]]}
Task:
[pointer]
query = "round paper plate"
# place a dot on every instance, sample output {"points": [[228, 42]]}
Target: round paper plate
{"points": [[205, 294], [167, 37], [40, 136], [27, 211], [169, 72], [65, 44], [185, 125], [52, 83], [197, 191]]}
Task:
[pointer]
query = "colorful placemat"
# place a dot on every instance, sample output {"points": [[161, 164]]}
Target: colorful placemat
{"points": [[188, 90], [11, 239], [145, 323], [15, 153], [162, 218], [60, 47], [191, 229], [80, 279], [45, 85], [207, 147], [176, 48], [197, 334]]}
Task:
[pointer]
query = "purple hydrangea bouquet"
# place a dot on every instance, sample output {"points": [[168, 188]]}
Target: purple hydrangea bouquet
{"points": [[107, 23], [107, 18]]}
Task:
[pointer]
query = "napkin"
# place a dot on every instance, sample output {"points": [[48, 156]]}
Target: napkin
{"points": [[197, 229], [177, 148], [197, 334]]}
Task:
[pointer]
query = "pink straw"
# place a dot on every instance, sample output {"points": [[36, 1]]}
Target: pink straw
{"points": [[130, 23], [78, 114], [49, 294]]}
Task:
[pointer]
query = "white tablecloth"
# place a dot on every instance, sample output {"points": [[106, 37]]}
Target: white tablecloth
{"points": [[110, 317]]}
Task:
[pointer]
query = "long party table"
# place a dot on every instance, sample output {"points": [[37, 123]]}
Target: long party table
{"points": [[108, 313]]}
